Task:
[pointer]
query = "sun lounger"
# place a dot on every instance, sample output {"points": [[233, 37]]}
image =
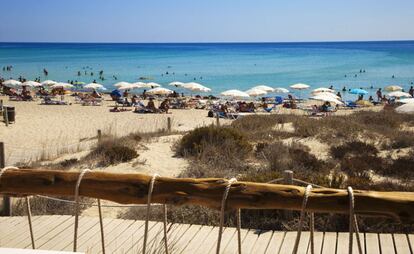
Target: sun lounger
{"points": [[49, 101]]}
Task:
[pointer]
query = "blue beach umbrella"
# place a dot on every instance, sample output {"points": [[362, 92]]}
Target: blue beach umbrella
{"points": [[358, 91]]}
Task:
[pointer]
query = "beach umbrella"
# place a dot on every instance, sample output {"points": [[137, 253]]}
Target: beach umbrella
{"points": [[128, 87], [150, 85], [235, 94], [49, 82], [122, 83], [393, 88], [139, 84], [94, 86], [406, 100], [322, 90], [326, 94], [193, 86], [399, 94], [62, 85], [31, 84], [12, 82], [299, 86], [358, 91], [159, 91], [176, 84], [79, 83], [325, 97], [281, 90], [255, 92], [264, 88], [406, 108]]}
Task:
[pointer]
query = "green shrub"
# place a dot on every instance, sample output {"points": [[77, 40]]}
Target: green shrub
{"points": [[353, 148], [223, 139]]}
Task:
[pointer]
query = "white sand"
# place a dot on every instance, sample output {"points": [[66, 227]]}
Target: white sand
{"points": [[46, 130]]}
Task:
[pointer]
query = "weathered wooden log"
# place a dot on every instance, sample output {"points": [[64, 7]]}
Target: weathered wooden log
{"points": [[129, 188]]}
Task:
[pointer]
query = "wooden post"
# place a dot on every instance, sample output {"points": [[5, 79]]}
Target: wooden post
{"points": [[288, 177], [99, 136], [7, 208], [169, 124], [217, 120], [6, 116]]}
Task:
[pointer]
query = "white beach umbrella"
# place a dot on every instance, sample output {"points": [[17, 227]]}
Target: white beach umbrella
{"points": [[326, 94], [129, 87], [281, 90], [159, 91], [49, 82], [150, 85], [94, 86], [406, 100], [12, 82], [393, 88], [406, 108], [255, 92], [193, 86], [322, 90], [62, 85], [176, 84], [299, 86], [235, 94], [139, 84], [399, 94], [264, 88], [122, 83], [331, 99], [31, 84]]}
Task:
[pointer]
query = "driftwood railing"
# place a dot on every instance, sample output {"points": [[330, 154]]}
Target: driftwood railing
{"points": [[129, 188]]}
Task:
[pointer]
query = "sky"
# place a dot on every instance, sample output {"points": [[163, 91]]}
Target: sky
{"points": [[205, 21]]}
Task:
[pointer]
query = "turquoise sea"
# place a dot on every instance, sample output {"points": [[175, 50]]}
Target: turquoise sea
{"points": [[220, 66]]}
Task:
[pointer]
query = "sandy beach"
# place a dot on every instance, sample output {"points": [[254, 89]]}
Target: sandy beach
{"points": [[43, 131]]}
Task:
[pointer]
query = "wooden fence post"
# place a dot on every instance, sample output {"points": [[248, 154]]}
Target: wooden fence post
{"points": [[99, 136], [217, 120], [7, 208], [169, 124], [6, 116], [288, 177]]}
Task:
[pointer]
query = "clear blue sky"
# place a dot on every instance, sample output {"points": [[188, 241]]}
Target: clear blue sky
{"points": [[205, 21]]}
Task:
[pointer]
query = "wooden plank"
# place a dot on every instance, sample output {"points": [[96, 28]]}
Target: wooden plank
{"points": [[276, 242], [343, 243], [93, 237], [401, 244], [60, 224], [231, 245], [154, 230], [20, 230], [289, 242], [6, 224], [227, 238], [318, 241], [208, 242], [262, 242], [64, 237], [329, 243], [411, 242], [122, 226], [39, 226], [372, 243], [249, 241], [119, 243], [197, 241], [182, 237], [386, 243]]}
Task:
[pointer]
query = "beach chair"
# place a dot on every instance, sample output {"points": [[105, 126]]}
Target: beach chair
{"points": [[49, 101]]}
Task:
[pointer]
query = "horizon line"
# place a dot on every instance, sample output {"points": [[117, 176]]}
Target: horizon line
{"points": [[212, 42]]}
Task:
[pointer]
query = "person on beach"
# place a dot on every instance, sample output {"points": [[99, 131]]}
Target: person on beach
{"points": [[379, 94], [151, 105], [344, 89], [144, 94], [411, 91], [339, 95], [165, 106]]}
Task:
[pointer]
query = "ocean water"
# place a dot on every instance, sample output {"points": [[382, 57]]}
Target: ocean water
{"points": [[220, 66]]}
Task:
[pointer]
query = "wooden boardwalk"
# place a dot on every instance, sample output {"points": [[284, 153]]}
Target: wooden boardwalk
{"points": [[126, 236]]}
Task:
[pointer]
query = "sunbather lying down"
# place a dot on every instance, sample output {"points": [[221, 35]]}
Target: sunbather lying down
{"points": [[49, 101], [116, 109]]}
